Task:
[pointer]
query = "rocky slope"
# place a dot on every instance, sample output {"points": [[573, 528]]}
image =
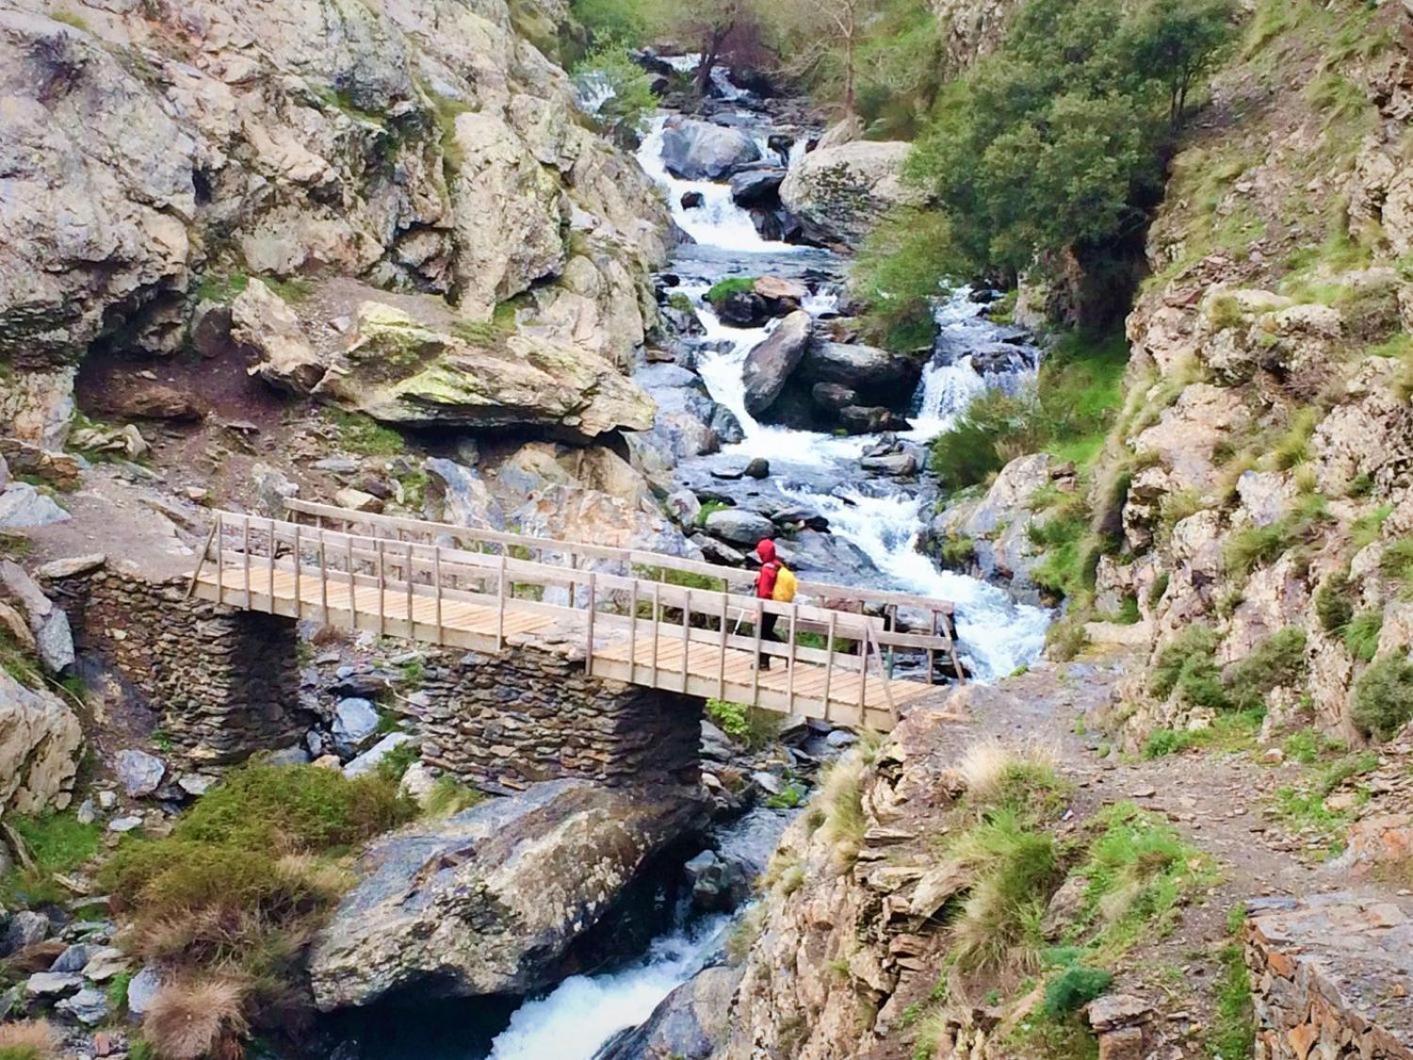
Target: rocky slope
{"points": [[159, 158]]}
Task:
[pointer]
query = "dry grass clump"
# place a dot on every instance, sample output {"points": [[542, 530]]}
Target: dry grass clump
{"points": [[239, 887], [28, 1040], [1020, 776], [198, 1019], [841, 796]]}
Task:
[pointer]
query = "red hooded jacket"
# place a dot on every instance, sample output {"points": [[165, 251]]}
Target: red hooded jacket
{"points": [[769, 568]]}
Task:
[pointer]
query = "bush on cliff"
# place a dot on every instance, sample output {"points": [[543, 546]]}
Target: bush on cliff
{"points": [[227, 901], [1383, 697]]}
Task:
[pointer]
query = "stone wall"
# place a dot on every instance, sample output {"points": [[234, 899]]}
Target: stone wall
{"points": [[224, 682], [504, 721], [1331, 977]]}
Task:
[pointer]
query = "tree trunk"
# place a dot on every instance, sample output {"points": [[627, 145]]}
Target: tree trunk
{"points": [[849, 75], [710, 50]]}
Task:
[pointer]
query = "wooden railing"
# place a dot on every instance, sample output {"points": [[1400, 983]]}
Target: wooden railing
{"points": [[648, 632], [657, 566]]}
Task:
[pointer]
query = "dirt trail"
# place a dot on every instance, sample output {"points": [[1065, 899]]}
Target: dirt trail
{"points": [[1221, 802]]}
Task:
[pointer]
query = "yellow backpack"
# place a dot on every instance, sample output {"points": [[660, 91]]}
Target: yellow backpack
{"points": [[785, 584]]}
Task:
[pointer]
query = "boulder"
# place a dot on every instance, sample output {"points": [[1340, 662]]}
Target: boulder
{"points": [[40, 744], [23, 507], [89, 1006], [700, 150], [839, 192], [688, 1024], [489, 900], [137, 398], [740, 526], [783, 296], [26, 928], [355, 722], [770, 364], [142, 991], [742, 309], [401, 371], [757, 188], [869, 370], [371, 758], [833, 397], [870, 419], [692, 200], [498, 177], [48, 625], [49, 985], [139, 772], [357, 500], [265, 326]]}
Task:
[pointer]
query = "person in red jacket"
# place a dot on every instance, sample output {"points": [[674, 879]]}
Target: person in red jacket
{"points": [[765, 590]]}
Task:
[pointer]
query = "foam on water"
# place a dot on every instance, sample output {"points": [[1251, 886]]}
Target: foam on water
{"points": [[573, 1020]]}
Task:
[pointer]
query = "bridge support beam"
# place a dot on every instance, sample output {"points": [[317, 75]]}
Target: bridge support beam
{"points": [[222, 683], [502, 721]]}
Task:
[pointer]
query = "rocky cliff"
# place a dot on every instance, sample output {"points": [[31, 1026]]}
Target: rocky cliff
{"points": [[159, 157], [1265, 446]]}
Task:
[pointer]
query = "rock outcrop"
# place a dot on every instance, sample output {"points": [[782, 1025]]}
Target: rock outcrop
{"points": [[401, 371], [490, 900], [839, 192], [40, 744]]}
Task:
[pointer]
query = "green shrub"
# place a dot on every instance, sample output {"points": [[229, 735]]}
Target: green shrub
{"points": [[753, 727], [723, 289], [1361, 635], [627, 111], [1365, 530], [1073, 988], [899, 273], [956, 552], [57, 844], [1164, 742], [1233, 1035], [1159, 587], [1188, 667], [363, 435], [1257, 546], [1396, 564], [1383, 697], [1278, 660], [1333, 604]]}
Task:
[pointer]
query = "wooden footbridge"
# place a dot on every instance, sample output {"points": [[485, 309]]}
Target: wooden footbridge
{"points": [[640, 617]]}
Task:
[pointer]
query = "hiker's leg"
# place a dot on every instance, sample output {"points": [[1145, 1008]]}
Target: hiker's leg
{"points": [[767, 632]]}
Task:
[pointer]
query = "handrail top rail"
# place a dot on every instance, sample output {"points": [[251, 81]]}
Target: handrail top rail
{"points": [[639, 557], [850, 624]]}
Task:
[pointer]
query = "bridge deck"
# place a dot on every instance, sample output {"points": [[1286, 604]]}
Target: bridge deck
{"points": [[627, 628]]}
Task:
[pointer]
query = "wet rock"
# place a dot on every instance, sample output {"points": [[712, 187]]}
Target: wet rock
{"points": [[771, 363], [683, 506], [833, 397], [139, 772], [699, 150], [688, 1024], [739, 526], [488, 901], [859, 419], [459, 495], [866, 369], [355, 722], [899, 465], [757, 468], [757, 188], [743, 309], [692, 200]]}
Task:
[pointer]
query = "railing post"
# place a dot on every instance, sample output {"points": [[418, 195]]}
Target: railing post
{"points": [[500, 600], [382, 584], [755, 664], [573, 588], [245, 549], [632, 630], [887, 682], [352, 583], [323, 577], [721, 661], [589, 628], [407, 576], [270, 580], [829, 660], [686, 633], [437, 585], [863, 676], [657, 633], [790, 662], [220, 558], [932, 654], [298, 594]]}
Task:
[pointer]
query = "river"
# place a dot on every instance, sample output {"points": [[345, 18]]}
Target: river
{"points": [[880, 520]]}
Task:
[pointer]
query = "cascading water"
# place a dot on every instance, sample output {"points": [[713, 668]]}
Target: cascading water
{"points": [[883, 519]]}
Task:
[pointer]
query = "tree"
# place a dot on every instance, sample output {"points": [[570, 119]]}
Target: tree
{"points": [[823, 39], [711, 23], [1175, 42]]}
